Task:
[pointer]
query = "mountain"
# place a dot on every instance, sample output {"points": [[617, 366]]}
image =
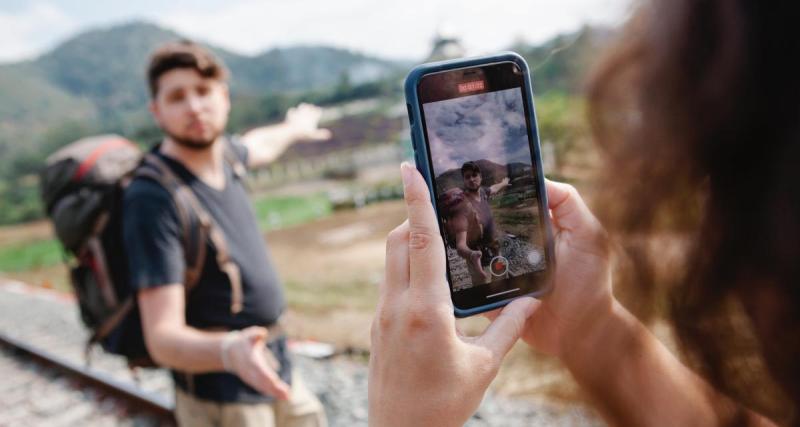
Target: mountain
{"points": [[95, 82], [99, 75], [30, 103], [106, 68]]}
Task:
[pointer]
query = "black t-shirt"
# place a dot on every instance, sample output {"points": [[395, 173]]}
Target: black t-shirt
{"points": [[153, 243]]}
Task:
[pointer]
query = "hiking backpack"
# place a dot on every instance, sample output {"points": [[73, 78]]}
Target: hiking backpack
{"points": [[82, 186]]}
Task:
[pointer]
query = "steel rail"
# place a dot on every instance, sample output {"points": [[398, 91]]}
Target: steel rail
{"points": [[136, 398]]}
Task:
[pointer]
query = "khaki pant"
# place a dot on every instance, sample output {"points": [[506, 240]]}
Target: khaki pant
{"points": [[303, 409]]}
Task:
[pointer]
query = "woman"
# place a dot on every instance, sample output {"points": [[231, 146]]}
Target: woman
{"points": [[696, 113]]}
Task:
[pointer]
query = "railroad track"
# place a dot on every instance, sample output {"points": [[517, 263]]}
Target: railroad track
{"points": [[54, 388], [127, 398]]}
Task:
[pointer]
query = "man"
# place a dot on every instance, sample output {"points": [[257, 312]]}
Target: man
{"points": [[226, 373], [463, 232], [484, 246]]}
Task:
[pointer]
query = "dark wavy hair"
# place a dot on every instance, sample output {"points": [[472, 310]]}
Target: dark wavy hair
{"points": [[183, 54], [696, 110], [470, 167]]}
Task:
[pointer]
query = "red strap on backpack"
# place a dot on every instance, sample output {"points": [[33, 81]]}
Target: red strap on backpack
{"points": [[98, 152]]}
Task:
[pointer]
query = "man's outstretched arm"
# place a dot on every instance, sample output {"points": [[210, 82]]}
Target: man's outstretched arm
{"points": [[500, 186], [267, 143]]}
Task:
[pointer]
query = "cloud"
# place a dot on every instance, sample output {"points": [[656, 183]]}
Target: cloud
{"points": [[485, 126], [401, 30], [391, 29], [29, 31], [251, 26]]}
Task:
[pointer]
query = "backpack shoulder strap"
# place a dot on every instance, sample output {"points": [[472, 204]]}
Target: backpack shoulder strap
{"points": [[198, 225], [195, 223]]}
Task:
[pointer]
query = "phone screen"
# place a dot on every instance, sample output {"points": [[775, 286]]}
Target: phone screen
{"points": [[480, 148]]}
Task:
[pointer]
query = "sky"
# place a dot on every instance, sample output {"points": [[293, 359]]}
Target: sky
{"points": [[390, 29], [485, 126]]}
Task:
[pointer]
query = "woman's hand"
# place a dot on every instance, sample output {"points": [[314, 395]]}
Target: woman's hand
{"points": [[423, 372], [581, 299]]}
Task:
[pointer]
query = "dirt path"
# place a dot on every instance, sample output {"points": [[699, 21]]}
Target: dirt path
{"points": [[24, 233], [331, 269]]}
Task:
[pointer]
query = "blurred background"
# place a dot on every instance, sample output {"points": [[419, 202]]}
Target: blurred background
{"points": [[71, 69]]}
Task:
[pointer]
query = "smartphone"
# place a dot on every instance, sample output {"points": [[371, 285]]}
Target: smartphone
{"points": [[473, 128]]}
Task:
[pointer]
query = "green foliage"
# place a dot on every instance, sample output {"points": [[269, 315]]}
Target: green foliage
{"points": [[19, 203], [283, 211], [388, 87], [30, 256], [562, 121], [251, 111]]}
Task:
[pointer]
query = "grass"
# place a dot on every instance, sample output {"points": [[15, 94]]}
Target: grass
{"points": [[28, 256], [283, 211], [272, 213]]}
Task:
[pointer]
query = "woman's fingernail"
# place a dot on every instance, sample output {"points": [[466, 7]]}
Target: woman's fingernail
{"points": [[406, 171]]}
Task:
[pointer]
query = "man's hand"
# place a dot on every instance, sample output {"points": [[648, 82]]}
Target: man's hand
{"points": [[174, 344], [475, 260], [249, 360], [475, 256], [423, 371], [500, 186], [303, 122]]}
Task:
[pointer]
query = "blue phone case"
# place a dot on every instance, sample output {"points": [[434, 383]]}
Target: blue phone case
{"points": [[421, 149]]}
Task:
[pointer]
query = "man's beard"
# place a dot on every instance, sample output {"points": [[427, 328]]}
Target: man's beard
{"points": [[193, 144]]}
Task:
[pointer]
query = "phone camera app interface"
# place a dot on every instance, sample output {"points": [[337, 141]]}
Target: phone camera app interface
{"points": [[485, 187]]}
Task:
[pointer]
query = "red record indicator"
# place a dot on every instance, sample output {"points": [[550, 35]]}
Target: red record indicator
{"points": [[472, 86], [499, 266]]}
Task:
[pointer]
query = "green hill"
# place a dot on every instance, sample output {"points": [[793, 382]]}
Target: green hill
{"points": [[107, 67], [30, 105], [94, 83], [97, 78]]}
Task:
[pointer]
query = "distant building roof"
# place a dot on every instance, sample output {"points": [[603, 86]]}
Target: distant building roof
{"points": [[446, 45]]}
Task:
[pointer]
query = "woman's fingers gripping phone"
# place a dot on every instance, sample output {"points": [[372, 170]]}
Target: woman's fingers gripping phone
{"points": [[422, 371]]}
